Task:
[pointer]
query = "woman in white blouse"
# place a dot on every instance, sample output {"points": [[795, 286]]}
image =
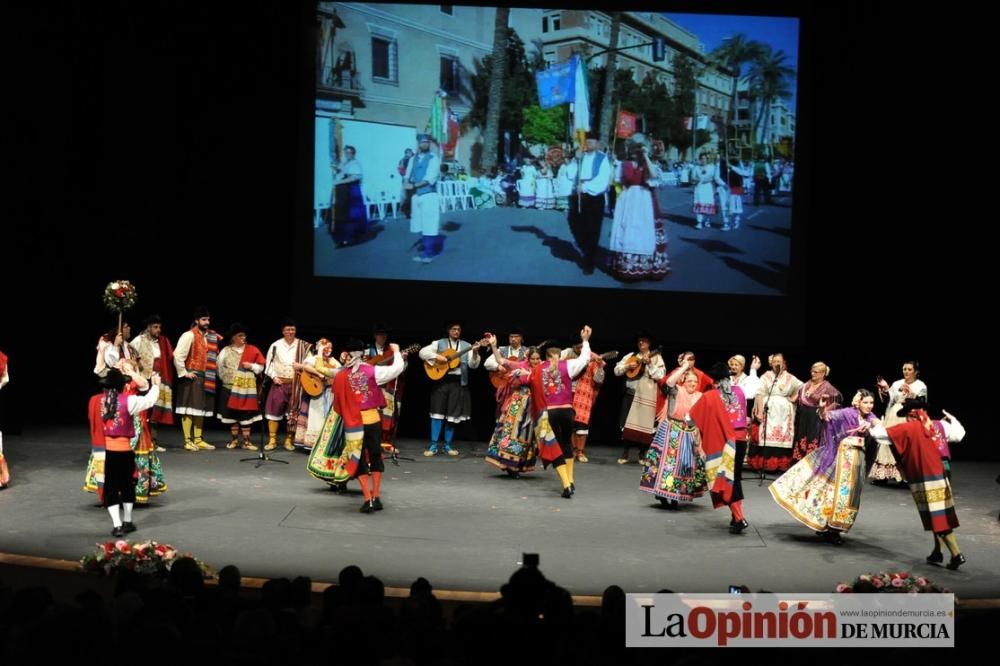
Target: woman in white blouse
{"points": [[884, 469]]}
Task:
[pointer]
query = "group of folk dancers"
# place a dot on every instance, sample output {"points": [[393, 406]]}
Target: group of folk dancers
{"points": [[693, 427], [241, 386]]}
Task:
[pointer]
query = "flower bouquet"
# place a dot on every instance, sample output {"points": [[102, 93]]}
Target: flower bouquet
{"points": [[146, 557], [902, 582], [119, 296]]}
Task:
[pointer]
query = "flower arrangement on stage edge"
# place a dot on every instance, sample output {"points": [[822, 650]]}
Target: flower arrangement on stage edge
{"points": [[119, 296], [146, 557], [902, 582]]}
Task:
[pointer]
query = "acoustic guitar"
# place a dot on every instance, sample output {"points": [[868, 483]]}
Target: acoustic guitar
{"points": [[609, 356], [436, 370], [634, 371], [500, 377], [312, 385], [386, 357]]}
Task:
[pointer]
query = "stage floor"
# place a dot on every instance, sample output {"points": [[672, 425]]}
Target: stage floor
{"points": [[463, 526]]}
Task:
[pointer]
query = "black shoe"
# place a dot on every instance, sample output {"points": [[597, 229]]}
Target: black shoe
{"points": [[668, 504], [572, 487], [367, 507], [567, 493], [736, 528], [128, 527], [118, 532], [833, 536], [955, 562], [377, 504], [935, 558]]}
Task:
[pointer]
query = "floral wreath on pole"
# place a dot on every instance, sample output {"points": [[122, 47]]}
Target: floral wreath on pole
{"points": [[119, 296]]}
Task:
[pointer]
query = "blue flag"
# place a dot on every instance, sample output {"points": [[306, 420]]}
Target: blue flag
{"points": [[556, 84]]}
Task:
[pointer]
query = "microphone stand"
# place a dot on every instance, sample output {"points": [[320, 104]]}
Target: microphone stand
{"points": [[763, 436], [397, 407], [262, 456]]}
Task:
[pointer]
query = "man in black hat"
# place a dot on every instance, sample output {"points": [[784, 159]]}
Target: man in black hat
{"points": [[513, 350], [357, 393], [586, 387], [117, 410], [195, 360], [450, 400], [392, 390], [552, 394], [638, 414], [286, 391], [154, 353], [920, 446], [591, 175], [239, 365], [717, 415]]}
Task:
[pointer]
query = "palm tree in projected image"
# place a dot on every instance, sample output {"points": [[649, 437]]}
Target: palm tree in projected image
{"points": [[769, 80], [608, 119], [732, 54], [498, 68]]}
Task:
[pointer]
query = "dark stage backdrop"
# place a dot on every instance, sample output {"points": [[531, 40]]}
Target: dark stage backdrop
{"points": [[171, 144]]}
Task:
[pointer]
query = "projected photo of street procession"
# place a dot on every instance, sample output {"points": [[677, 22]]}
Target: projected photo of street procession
{"points": [[570, 148]]}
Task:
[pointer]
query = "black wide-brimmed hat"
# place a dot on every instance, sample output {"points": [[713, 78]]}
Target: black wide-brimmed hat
{"points": [[910, 404], [356, 345], [718, 371], [114, 379]]}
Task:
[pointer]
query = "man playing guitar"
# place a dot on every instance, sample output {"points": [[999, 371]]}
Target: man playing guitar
{"points": [[450, 400], [638, 414]]}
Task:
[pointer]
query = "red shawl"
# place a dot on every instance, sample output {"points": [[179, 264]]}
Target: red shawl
{"points": [[344, 402], [166, 360], [919, 461], [917, 450], [94, 409], [710, 416]]}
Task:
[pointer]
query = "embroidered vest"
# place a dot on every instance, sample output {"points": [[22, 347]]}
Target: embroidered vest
{"points": [[364, 387], [122, 425]]}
